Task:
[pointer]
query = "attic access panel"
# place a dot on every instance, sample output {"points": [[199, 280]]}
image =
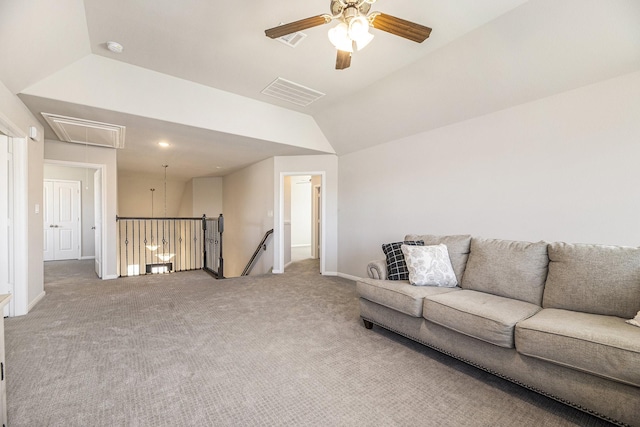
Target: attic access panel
{"points": [[81, 131]]}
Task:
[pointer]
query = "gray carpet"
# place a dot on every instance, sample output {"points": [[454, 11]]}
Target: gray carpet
{"points": [[187, 350]]}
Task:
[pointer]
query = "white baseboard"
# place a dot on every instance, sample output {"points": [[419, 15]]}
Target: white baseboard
{"points": [[110, 277], [277, 271], [87, 257], [330, 273], [348, 276], [35, 301]]}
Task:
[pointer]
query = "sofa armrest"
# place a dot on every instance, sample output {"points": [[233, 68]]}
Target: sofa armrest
{"points": [[377, 269]]}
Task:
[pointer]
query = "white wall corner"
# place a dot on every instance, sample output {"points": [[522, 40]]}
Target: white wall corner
{"points": [[35, 301]]}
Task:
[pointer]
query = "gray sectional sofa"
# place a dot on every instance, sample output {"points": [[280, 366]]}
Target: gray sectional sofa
{"points": [[547, 316]]}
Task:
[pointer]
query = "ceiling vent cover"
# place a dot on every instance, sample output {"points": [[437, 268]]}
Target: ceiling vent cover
{"points": [[292, 92], [293, 39], [81, 131]]}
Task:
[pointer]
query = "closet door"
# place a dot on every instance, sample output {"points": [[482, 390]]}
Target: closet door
{"points": [[61, 220]]}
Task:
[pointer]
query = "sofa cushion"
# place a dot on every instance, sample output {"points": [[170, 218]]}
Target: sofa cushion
{"points": [[396, 265], [635, 321], [597, 344], [398, 294], [594, 279], [507, 268], [429, 266], [457, 246], [487, 317]]}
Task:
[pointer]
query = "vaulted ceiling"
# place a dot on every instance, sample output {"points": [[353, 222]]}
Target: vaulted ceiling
{"points": [[192, 72]]}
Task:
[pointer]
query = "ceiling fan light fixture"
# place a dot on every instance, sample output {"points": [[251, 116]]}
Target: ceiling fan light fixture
{"points": [[358, 27], [364, 40], [339, 37], [352, 32], [359, 31]]}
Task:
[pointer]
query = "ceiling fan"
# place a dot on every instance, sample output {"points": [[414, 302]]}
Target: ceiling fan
{"points": [[352, 32]]}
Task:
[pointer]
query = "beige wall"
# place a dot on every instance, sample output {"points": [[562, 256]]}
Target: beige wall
{"points": [[186, 202], [15, 120], [563, 168], [191, 198], [56, 151], [85, 176], [35, 154], [207, 196], [134, 195], [248, 212]]}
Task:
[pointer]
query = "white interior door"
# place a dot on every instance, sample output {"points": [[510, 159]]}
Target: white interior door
{"points": [[62, 220], [97, 228]]}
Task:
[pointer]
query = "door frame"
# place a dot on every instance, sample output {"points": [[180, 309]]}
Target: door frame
{"points": [[103, 192], [19, 303], [7, 212], [97, 195], [316, 219], [279, 265]]}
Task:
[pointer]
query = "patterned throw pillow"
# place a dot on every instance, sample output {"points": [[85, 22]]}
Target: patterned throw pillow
{"points": [[396, 266], [429, 266]]}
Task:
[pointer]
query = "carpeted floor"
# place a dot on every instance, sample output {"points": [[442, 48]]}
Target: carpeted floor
{"points": [[284, 350]]}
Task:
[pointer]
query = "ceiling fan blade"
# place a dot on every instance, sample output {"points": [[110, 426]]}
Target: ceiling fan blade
{"points": [[343, 60], [400, 27], [292, 27]]}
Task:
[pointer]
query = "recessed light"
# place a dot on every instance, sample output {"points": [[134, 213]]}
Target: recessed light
{"points": [[163, 144], [115, 47]]}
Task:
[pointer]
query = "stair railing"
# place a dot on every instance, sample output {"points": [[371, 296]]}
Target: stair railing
{"points": [[261, 246], [213, 260], [151, 245]]}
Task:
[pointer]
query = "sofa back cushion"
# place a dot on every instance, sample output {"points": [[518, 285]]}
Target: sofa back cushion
{"points": [[457, 246], [507, 268], [594, 279]]}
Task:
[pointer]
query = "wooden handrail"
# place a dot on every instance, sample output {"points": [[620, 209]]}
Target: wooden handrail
{"points": [[261, 245]]}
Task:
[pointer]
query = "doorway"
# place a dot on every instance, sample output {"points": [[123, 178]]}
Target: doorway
{"points": [[89, 213], [302, 218]]}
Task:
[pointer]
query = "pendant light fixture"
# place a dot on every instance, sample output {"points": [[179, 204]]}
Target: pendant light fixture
{"points": [[152, 246]]}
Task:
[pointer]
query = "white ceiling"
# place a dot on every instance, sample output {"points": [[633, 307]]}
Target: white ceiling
{"points": [[481, 57]]}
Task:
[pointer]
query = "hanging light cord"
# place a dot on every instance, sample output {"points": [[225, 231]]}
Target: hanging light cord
{"points": [[165, 189], [152, 190]]}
